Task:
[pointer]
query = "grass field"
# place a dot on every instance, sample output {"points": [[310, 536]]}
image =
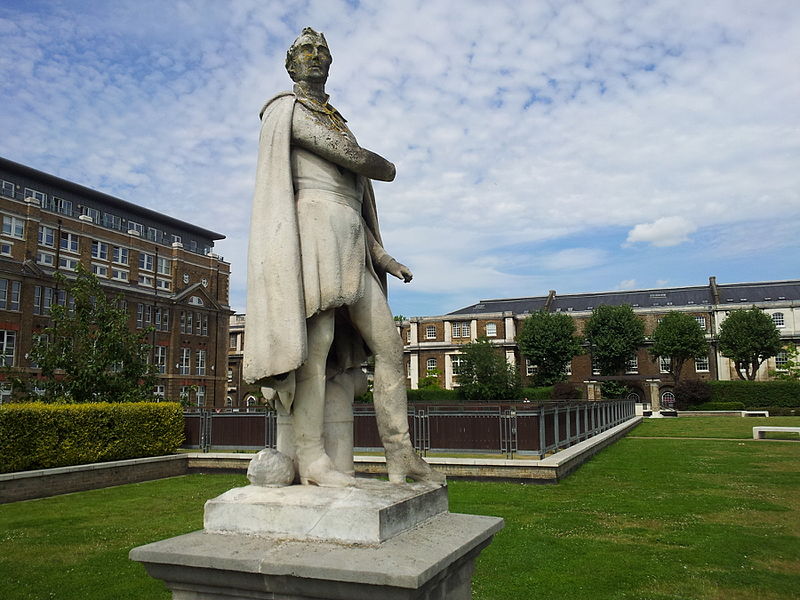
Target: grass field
{"points": [[647, 518], [714, 427]]}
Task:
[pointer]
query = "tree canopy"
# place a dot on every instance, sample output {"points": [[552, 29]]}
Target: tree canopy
{"points": [[549, 341], [89, 353], [678, 337], [485, 374], [748, 338], [614, 334]]}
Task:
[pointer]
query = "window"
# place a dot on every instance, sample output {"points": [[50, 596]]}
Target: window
{"points": [[408, 335], [491, 330], [568, 368], [161, 319], [230, 375], [701, 320], [100, 270], [193, 245], [158, 393], [595, 366], [175, 238], [777, 318], [146, 280], [431, 366], [47, 236], [70, 264], [8, 343], [664, 364], [146, 261], [185, 364], [164, 266], [92, 213], [112, 221], [9, 294], [7, 188], [99, 250], [144, 315], [530, 368], [202, 324], [152, 234], [430, 332], [200, 362], [47, 259], [14, 227], [460, 330], [231, 338], [781, 360], [69, 242], [137, 227], [119, 255], [632, 365], [457, 362], [40, 196], [701, 364], [196, 301], [200, 395], [163, 284], [5, 248], [185, 393], [119, 274], [668, 400], [60, 205], [161, 359]]}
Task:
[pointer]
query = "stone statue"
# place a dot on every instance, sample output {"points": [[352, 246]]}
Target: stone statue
{"points": [[316, 303]]}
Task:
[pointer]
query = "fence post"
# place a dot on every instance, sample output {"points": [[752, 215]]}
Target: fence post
{"points": [[542, 442]]}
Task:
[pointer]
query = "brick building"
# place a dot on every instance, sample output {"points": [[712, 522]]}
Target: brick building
{"points": [[164, 269], [432, 343]]}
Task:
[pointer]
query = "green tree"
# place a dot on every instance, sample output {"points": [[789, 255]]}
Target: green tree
{"points": [[485, 374], [614, 334], [748, 338], [679, 338], [548, 340], [88, 353]]}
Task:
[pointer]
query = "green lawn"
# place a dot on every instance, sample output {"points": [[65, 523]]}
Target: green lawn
{"points": [[713, 427], [645, 519]]}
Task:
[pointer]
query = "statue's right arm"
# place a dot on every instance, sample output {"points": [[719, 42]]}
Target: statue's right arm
{"points": [[310, 133]]}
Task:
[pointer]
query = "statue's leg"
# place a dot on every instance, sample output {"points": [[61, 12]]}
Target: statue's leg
{"points": [[374, 321], [308, 410]]}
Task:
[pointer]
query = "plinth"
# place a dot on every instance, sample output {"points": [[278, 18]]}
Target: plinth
{"points": [[375, 540]]}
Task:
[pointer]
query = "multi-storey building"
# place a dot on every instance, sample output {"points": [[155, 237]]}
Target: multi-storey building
{"points": [[240, 393], [164, 269], [432, 343]]}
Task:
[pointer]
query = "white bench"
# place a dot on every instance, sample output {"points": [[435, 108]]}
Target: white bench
{"points": [[755, 413], [758, 432]]}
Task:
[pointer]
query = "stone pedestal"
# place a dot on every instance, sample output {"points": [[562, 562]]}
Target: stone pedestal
{"points": [[376, 540]]}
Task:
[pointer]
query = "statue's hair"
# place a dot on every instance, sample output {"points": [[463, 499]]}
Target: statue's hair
{"points": [[290, 53]]}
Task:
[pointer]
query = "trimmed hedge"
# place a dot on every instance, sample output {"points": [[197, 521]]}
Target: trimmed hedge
{"points": [[756, 394], [537, 393], [718, 406], [434, 394], [40, 436]]}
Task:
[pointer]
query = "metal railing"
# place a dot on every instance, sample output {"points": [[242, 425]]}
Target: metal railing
{"points": [[507, 429]]}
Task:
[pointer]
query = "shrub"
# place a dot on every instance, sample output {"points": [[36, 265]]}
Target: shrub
{"points": [[755, 394], [567, 391], [613, 390], [718, 406], [781, 411], [40, 436], [691, 392], [537, 393], [434, 394]]}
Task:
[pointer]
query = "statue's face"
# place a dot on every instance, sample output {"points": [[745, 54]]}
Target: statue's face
{"points": [[311, 60]]}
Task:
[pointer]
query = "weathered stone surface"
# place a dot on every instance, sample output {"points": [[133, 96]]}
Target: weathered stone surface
{"points": [[369, 513], [270, 468]]}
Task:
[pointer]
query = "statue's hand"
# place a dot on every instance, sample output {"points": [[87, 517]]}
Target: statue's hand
{"points": [[400, 271]]}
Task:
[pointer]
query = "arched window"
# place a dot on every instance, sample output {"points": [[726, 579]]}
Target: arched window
{"points": [[633, 396], [777, 318], [228, 401], [668, 400]]}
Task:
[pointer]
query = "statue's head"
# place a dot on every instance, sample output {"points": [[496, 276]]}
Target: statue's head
{"points": [[308, 58]]}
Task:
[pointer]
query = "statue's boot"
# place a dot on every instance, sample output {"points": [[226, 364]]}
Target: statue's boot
{"points": [[391, 409]]}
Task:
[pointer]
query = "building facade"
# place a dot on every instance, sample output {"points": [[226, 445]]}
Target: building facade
{"points": [[164, 269], [432, 343]]}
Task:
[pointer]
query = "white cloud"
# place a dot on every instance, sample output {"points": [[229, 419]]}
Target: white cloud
{"points": [[552, 128], [667, 231], [627, 284]]}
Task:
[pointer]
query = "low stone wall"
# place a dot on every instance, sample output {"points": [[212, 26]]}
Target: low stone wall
{"points": [[50, 482], [27, 485]]}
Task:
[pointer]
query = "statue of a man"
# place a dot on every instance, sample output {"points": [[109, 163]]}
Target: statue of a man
{"points": [[316, 302]]}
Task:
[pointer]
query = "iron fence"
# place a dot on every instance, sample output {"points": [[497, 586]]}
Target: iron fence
{"points": [[507, 429]]}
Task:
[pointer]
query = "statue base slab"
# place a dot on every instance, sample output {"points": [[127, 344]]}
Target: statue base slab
{"points": [[433, 561], [368, 513]]}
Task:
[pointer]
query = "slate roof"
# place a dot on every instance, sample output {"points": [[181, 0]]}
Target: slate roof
{"points": [[701, 295]]}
